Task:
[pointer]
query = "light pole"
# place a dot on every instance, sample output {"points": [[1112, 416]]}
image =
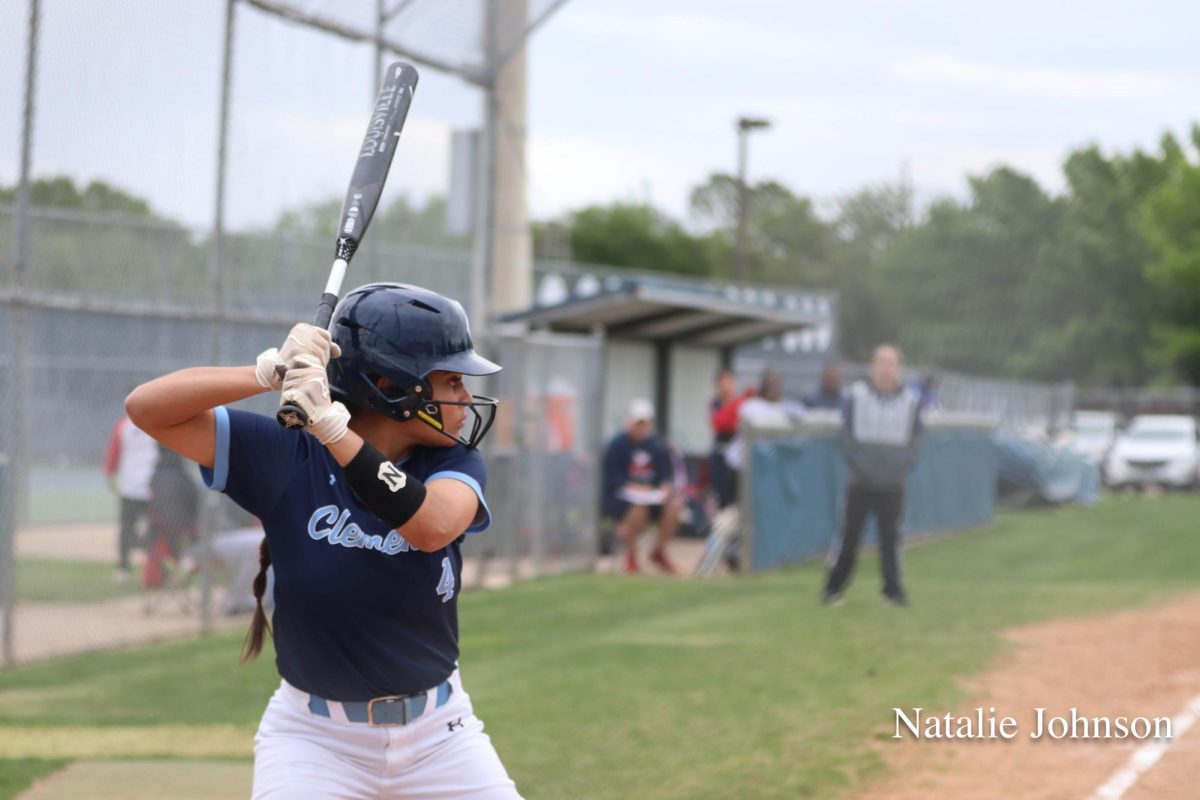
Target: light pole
{"points": [[744, 126]]}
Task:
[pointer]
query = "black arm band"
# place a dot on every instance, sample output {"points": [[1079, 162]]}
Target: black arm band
{"points": [[393, 495]]}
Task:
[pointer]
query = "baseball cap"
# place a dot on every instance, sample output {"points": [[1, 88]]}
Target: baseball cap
{"points": [[640, 409]]}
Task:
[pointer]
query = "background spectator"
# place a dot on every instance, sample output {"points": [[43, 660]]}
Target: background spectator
{"points": [[237, 550], [828, 393], [768, 409], [173, 515], [639, 486], [723, 415], [129, 462]]}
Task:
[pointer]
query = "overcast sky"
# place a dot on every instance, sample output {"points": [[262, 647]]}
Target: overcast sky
{"points": [[627, 100]]}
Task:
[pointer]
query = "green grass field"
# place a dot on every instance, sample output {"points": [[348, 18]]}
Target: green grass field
{"points": [[69, 494], [44, 580], [599, 686]]}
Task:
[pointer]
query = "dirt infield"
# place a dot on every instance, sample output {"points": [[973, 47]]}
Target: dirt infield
{"points": [[93, 541], [45, 630], [145, 780], [1136, 663], [49, 630]]}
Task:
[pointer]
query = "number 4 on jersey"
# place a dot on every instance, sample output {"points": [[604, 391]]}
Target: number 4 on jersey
{"points": [[445, 587]]}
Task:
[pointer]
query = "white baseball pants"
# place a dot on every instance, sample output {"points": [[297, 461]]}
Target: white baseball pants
{"points": [[443, 754]]}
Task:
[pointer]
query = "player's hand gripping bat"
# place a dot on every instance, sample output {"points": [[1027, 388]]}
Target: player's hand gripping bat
{"points": [[366, 185]]}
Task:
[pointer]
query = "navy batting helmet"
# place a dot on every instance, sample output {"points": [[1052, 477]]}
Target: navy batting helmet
{"points": [[392, 336]]}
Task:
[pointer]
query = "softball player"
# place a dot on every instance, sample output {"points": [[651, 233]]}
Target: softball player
{"points": [[364, 517]]}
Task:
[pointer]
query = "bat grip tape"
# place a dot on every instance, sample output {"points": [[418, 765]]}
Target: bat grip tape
{"points": [[325, 310]]}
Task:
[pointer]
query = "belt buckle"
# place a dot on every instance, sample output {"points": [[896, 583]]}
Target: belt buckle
{"points": [[391, 702]]}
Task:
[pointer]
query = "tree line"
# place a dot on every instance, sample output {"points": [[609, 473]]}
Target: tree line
{"points": [[1098, 283]]}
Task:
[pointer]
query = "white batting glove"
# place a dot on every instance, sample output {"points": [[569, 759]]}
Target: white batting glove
{"points": [[307, 386], [266, 369], [308, 345]]}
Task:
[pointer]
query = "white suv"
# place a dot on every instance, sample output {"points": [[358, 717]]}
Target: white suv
{"points": [[1155, 449]]}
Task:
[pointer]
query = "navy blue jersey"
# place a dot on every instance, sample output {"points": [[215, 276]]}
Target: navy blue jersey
{"points": [[359, 613], [627, 461]]}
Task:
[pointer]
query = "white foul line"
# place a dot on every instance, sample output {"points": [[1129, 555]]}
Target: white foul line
{"points": [[1147, 755]]}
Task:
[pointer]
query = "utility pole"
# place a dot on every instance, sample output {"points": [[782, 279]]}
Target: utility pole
{"points": [[744, 126]]}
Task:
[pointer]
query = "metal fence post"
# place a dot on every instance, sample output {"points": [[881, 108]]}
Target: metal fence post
{"points": [[216, 274], [15, 476], [537, 454], [745, 490]]}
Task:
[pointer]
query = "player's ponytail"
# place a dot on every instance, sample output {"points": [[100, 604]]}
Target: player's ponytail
{"points": [[254, 637]]}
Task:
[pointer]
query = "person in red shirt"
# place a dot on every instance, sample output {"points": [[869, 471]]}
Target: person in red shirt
{"points": [[723, 415]]}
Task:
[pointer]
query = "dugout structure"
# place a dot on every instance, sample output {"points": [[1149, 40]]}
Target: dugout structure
{"points": [[665, 339]]}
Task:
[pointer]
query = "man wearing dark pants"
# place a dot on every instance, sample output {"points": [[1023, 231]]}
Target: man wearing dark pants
{"points": [[881, 422]]}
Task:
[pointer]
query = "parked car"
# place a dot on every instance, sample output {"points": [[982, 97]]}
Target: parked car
{"points": [[1092, 434], [1155, 449]]}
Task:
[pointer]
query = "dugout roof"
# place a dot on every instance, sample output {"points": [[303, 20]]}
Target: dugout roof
{"points": [[667, 313]]}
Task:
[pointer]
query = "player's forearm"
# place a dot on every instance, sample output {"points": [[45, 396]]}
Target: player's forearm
{"points": [[437, 520], [180, 396], [346, 448]]}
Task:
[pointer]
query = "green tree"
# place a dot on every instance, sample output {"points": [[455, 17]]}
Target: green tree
{"points": [[318, 220], [868, 223], [115, 246], [404, 221], [552, 238], [61, 192], [955, 288], [1091, 304], [637, 236], [401, 221], [786, 240], [1170, 219]]}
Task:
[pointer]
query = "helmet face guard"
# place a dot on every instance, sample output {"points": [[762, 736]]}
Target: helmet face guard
{"points": [[392, 337], [416, 402], [482, 413]]}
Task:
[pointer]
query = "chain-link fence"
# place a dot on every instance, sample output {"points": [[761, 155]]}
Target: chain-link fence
{"points": [[1133, 401], [543, 459], [115, 301], [181, 159]]}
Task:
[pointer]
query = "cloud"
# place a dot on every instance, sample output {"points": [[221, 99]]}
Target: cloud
{"points": [[945, 169], [952, 71], [313, 158], [567, 172], [692, 35]]}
